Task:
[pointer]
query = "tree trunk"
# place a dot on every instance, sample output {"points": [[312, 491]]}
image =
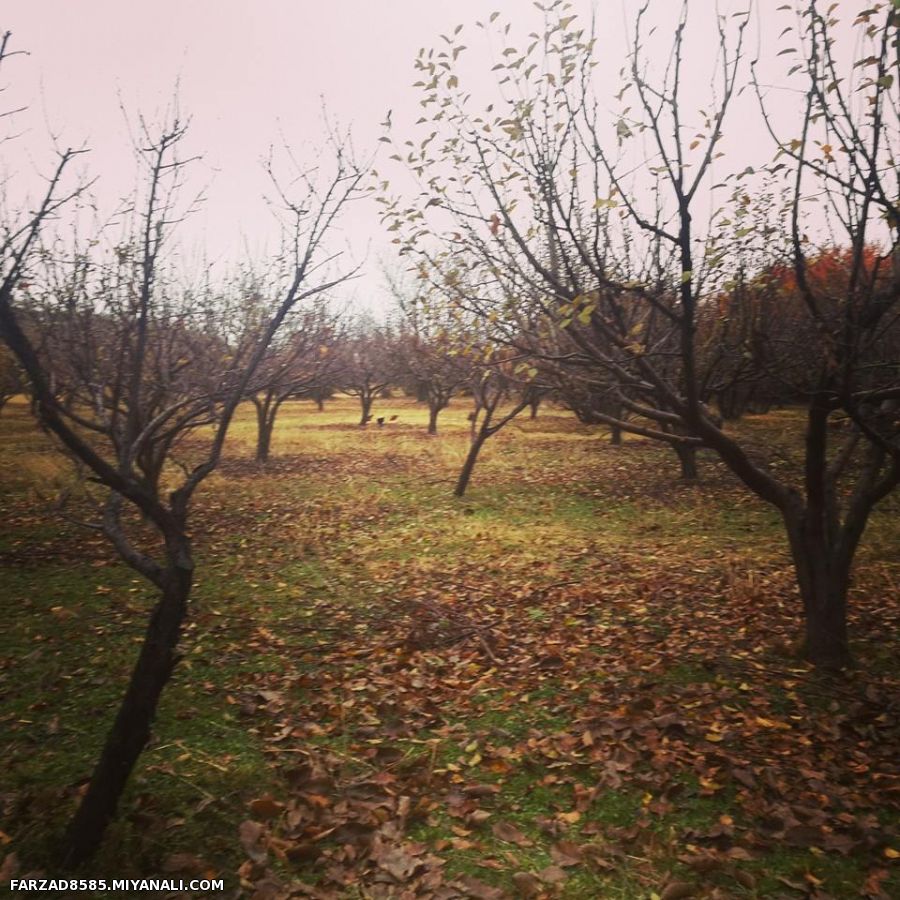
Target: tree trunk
{"points": [[473, 422], [433, 411], [154, 476], [615, 436], [826, 644], [365, 402], [265, 427], [152, 462], [131, 729], [320, 403], [534, 405], [823, 576], [151, 466], [466, 472], [687, 457]]}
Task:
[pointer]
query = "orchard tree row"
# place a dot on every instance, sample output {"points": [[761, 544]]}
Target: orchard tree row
{"points": [[549, 248], [596, 247]]}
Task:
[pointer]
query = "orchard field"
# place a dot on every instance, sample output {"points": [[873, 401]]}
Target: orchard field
{"points": [[578, 681]]}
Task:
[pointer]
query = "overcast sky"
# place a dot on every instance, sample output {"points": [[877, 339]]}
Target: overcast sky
{"points": [[251, 74]]}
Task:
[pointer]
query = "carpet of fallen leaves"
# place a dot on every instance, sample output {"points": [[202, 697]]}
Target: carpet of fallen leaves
{"points": [[651, 683], [446, 715]]}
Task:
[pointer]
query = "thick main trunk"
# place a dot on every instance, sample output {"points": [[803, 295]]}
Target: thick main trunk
{"points": [[264, 440], [433, 412], [826, 642], [264, 425], [823, 576], [131, 729], [466, 471], [365, 404], [733, 402], [615, 436], [687, 458]]}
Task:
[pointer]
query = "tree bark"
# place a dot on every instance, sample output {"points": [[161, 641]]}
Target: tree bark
{"points": [[823, 576], [433, 412], [264, 439], [468, 466], [131, 729], [263, 428], [615, 436], [687, 457], [266, 411], [151, 466], [473, 422], [152, 462], [365, 402]]}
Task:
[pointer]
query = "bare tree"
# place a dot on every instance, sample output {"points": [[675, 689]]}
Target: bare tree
{"points": [[491, 385], [368, 364], [546, 232], [431, 361], [303, 362], [128, 309]]}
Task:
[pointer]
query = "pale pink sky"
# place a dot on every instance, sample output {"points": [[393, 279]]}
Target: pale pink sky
{"points": [[250, 72]]}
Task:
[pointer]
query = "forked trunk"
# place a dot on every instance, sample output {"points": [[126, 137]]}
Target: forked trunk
{"points": [[131, 729], [265, 423], [266, 414], [151, 463], [151, 466]]}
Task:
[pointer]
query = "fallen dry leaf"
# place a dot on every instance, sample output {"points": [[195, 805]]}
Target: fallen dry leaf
{"points": [[506, 831]]}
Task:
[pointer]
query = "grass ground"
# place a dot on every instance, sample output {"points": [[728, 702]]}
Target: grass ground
{"points": [[575, 682]]}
